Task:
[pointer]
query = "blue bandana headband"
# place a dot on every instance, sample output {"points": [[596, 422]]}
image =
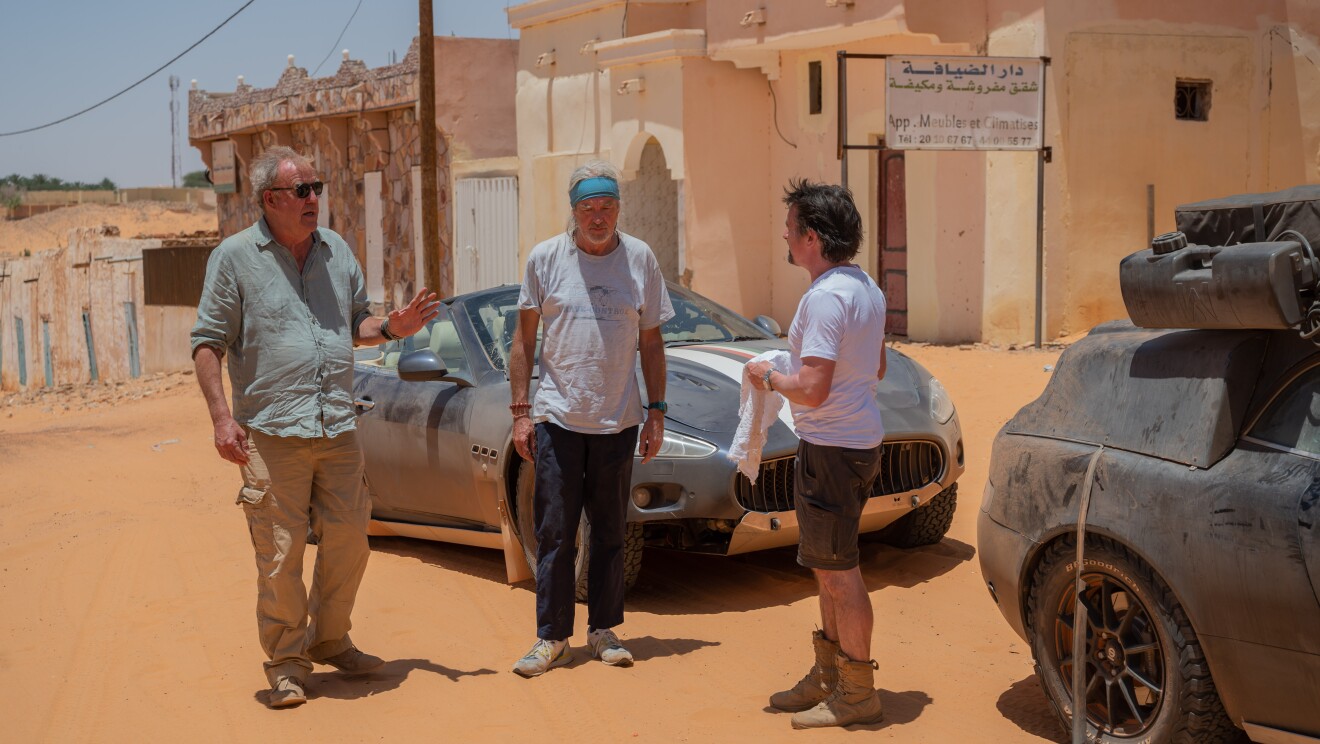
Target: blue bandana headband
{"points": [[588, 188]]}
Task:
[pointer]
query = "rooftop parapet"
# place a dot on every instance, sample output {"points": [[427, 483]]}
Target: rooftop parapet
{"points": [[353, 89]]}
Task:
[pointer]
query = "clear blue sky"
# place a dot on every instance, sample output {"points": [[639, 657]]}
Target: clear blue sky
{"points": [[60, 56]]}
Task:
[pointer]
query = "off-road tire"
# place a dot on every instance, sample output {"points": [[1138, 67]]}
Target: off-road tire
{"points": [[633, 540], [925, 525], [1189, 710]]}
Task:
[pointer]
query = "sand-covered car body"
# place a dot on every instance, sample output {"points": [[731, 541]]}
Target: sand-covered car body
{"points": [[1183, 457], [436, 434]]}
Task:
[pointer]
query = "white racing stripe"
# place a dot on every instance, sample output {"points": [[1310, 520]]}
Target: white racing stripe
{"points": [[730, 368]]}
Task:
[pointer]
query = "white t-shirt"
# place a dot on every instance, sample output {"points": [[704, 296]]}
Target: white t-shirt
{"points": [[841, 318], [592, 307]]}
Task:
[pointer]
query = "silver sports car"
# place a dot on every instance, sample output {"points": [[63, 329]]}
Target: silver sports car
{"points": [[435, 430]]}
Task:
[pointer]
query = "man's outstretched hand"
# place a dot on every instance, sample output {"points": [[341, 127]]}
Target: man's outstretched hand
{"points": [[412, 318]]}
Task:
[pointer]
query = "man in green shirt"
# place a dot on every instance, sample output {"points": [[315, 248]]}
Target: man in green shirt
{"points": [[286, 301]]}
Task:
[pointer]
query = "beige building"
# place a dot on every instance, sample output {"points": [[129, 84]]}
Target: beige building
{"points": [[359, 126], [709, 107], [106, 308]]}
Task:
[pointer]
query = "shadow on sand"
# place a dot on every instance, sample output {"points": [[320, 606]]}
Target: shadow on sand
{"points": [[679, 583], [675, 583], [900, 708], [388, 677], [1025, 704]]}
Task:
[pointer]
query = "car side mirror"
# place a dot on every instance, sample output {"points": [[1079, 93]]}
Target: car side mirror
{"points": [[424, 366], [769, 325]]}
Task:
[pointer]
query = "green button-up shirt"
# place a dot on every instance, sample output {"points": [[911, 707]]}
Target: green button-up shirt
{"points": [[288, 334]]}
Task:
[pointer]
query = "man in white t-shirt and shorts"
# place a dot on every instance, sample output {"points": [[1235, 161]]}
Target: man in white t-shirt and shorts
{"points": [[837, 355], [603, 299]]}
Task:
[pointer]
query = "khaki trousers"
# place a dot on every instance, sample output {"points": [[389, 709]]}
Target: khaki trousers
{"points": [[286, 482]]}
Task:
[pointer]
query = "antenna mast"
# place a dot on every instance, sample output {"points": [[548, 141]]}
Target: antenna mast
{"points": [[176, 164]]}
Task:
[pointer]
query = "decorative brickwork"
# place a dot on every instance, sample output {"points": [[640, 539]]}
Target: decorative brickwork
{"points": [[359, 121]]}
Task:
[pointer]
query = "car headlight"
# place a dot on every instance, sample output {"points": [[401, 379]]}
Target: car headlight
{"points": [[678, 445], [941, 405]]}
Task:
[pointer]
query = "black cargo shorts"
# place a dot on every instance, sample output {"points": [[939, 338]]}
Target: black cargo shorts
{"points": [[832, 485]]}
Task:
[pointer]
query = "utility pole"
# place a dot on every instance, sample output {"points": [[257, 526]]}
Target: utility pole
{"points": [[175, 162], [434, 253]]}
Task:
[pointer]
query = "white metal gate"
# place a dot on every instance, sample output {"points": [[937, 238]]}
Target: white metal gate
{"points": [[486, 233]]}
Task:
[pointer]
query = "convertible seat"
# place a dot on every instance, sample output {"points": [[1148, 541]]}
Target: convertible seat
{"points": [[446, 345]]}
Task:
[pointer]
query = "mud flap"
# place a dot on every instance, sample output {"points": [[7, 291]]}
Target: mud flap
{"points": [[515, 560]]}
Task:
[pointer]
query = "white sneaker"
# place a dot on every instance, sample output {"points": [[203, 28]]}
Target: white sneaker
{"points": [[605, 646], [543, 657]]}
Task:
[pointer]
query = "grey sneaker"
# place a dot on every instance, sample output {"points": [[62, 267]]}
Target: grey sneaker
{"points": [[352, 661], [543, 657], [606, 647], [287, 692]]}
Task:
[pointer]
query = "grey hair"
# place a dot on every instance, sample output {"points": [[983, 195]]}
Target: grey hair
{"points": [[592, 169], [265, 168]]}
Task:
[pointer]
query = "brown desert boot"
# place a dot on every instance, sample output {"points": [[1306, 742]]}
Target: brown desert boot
{"points": [[817, 684], [353, 661], [854, 700], [286, 693]]}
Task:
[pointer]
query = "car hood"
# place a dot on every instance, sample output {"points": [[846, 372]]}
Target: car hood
{"points": [[704, 382]]}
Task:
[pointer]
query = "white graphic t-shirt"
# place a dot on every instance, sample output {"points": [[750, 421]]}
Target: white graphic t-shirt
{"points": [[592, 308], [841, 318]]}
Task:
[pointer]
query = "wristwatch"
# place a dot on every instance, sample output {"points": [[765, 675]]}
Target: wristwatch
{"points": [[658, 405], [385, 330], [766, 379]]}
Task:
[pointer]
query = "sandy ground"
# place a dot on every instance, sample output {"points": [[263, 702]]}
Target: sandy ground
{"points": [[127, 593], [51, 230]]}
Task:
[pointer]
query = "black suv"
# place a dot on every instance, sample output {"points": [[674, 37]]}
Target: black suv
{"points": [[1183, 448]]}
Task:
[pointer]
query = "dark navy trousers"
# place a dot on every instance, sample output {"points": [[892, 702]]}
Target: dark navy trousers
{"points": [[577, 472]]}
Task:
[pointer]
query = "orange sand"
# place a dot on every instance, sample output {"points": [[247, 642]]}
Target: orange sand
{"points": [[127, 590]]}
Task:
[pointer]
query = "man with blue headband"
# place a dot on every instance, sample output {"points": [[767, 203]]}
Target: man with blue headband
{"points": [[602, 299]]}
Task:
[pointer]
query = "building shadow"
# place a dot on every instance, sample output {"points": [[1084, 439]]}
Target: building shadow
{"points": [[679, 583], [900, 708], [1025, 705]]}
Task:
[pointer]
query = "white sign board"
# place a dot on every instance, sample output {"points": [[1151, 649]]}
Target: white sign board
{"points": [[964, 103]]}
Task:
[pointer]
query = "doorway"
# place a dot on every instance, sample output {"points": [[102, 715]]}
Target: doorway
{"points": [[891, 261], [650, 209]]}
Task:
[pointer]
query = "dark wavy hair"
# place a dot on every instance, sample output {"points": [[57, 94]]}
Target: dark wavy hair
{"points": [[829, 210]]}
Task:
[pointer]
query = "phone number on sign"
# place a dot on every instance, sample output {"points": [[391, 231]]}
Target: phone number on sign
{"points": [[962, 140]]}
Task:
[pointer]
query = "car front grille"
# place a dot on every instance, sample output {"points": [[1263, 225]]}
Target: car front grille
{"points": [[904, 466]]}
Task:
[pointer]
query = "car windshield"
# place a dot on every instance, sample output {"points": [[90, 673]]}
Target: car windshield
{"points": [[696, 320]]}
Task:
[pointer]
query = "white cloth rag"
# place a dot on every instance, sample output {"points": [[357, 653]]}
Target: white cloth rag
{"points": [[757, 411]]}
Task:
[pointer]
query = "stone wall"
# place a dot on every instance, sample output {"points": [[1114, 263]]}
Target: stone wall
{"points": [[351, 124]]}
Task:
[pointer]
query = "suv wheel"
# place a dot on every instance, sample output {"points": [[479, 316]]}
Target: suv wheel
{"points": [[633, 540], [1146, 677]]}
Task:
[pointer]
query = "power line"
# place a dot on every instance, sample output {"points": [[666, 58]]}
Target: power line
{"points": [[134, 85], [335, 45]]}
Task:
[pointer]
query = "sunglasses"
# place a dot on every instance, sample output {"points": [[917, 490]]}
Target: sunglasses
{"points": [[302, 190]]}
